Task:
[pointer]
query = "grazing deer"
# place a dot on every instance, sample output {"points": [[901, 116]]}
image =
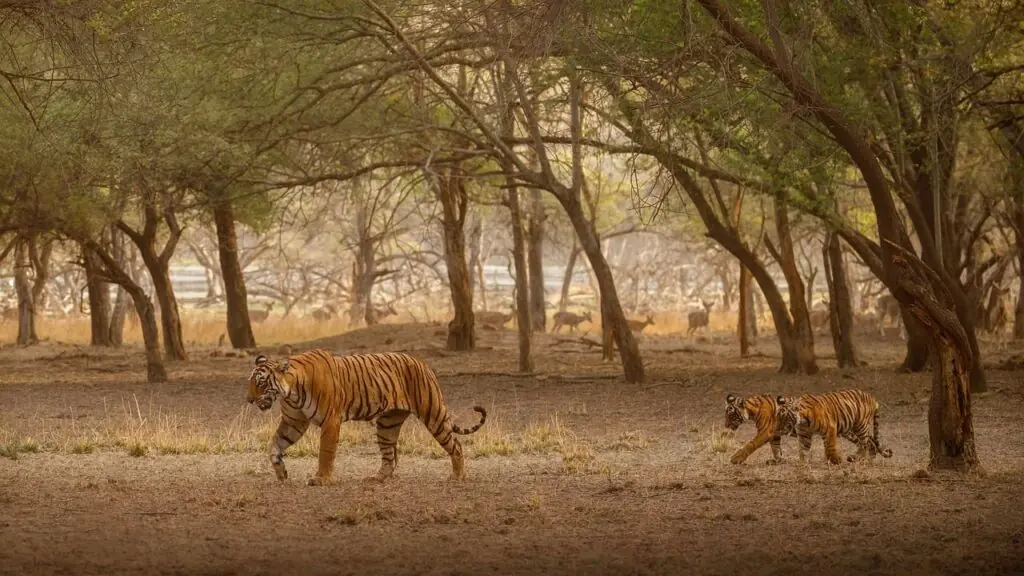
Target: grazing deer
{"points": [[259, 316], [9, 314], [819, 317], [571, 320], [381, 313], [699, 318], [324, 313], [488, 318], [888, 307], [638, 326]]}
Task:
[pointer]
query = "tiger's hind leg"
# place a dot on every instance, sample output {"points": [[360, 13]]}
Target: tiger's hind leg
{"points": [[389, 426], [446, 438]]}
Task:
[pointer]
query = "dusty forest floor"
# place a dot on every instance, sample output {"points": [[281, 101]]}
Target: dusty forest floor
{"points": [[575, 471]]}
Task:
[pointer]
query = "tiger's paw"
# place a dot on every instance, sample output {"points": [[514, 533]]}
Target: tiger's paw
{"points": [[737, 459], [319, 481], [281, 472], [773, 461]]}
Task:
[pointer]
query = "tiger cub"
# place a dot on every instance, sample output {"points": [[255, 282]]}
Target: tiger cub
{"points": [[771, 420], [850, 414]]}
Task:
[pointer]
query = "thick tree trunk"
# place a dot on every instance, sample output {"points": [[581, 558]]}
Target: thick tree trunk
{"points": [[155, 371], [611, 310], [23, 288], [535, 242], [743, 322], [235, 294], [99, 299], [840, 307], [40, 259], [522, 285], [119, 312], [454, 204], [570, 266], [950, 418], [1018, 232], [723, 276]]}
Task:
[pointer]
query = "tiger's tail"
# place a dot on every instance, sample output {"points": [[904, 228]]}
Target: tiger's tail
{"points": [[464, 431], [886, 453]]}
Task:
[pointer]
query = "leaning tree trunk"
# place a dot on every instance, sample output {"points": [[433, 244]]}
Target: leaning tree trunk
{"points": [[611, 310], [170, 319], [563, 300], [99, 299], [745, 313], [522, 285], [118, 313], [840, 308], [535, 260], [801, 336], [235, 294], [23, 287], [454, 204]]}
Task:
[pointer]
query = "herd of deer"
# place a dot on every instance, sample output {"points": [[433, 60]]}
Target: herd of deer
{"points": [[695, 320]]}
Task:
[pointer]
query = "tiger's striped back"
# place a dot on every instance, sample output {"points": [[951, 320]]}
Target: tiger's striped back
{"points": [[850, 414]]}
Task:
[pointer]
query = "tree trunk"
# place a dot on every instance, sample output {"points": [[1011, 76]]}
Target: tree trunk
{"points": [[840, 307], [454, 202], [235, 294], [563, 300], [475, 267], [611, 310], [158, 265], [535, 257], [170, 319], [40, 259], [23, 287], [155, 371], [950, 418], [522, 286], [723, 276], [119, 312], [99, 299], [802, 335], [743, 322]]}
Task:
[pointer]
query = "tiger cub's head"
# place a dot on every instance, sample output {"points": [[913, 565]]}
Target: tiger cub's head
{"points": [[787, 416], [267, 382], [735, 411]]}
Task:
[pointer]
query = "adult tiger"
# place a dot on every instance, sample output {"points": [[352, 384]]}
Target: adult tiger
{"points": [[850, 414], [772, 423], [324, 389]]}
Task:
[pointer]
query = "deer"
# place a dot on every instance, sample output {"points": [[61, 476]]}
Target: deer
{"points": [[259, 316], [638, 326], [887, 306], [571, 320], [488, 318], [381, 313], [819, 316], [324, 313], [699, 318]]}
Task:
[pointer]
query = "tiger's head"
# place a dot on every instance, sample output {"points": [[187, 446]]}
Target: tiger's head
{"points": [[787, 416], [267, 382], [735, 411]]}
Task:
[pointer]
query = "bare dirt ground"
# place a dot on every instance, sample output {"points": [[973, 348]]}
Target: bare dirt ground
{"points": [[575, 471]]}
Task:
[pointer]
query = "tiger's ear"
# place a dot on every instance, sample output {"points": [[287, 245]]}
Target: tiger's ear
{"points": [[781, 400], [261, 359], [730, 398], [285, 364]]}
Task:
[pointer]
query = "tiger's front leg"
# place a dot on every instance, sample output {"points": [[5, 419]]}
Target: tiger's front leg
{"points": [[776, 451], [741, 455], [289, 431], [831, 450], [328, 447]]}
